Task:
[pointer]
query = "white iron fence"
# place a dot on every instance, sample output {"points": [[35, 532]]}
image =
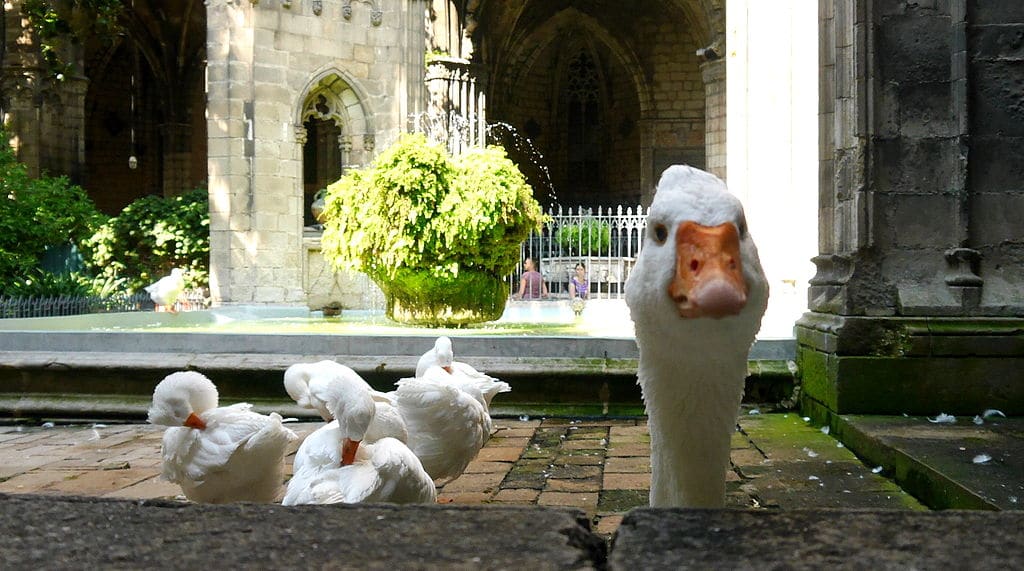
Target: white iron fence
{"points": [[605, 241]]}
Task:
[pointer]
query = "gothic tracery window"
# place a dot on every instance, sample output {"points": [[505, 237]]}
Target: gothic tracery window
{"points": [[583, 123]]}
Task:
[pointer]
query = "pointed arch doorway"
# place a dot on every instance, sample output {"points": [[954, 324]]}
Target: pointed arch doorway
{"points": [[335, 133]]}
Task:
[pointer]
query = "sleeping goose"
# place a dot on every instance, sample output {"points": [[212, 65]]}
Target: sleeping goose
{"points": [[217, 454], [384, 471], [313, 385], [443, 355], [330, 466], [165, 291], [696, 297]]}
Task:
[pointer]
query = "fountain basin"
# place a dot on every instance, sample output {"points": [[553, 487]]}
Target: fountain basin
{"points": [[106, 365]]}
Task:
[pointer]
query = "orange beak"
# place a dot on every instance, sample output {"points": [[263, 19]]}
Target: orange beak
{"points": [[709, 275], [348, 451], [448, 369], [193, 421]]}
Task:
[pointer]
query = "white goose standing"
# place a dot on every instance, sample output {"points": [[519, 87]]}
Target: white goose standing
{"points": [[217, 454], [696, 297], [166, 291], [448, 420]]}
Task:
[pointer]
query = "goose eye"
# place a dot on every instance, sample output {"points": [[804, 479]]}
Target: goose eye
{"points": [[660, 233]]}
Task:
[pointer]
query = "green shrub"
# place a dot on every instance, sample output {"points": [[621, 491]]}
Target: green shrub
{"points": [[416, 210], [37, 213], [40, 283], [151, 236], [590, 237]]}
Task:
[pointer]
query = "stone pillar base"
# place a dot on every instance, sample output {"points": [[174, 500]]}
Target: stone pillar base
{"points": [[918, 366]]}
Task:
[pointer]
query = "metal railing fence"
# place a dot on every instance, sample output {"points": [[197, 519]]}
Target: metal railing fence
{"points": [[605, 241], [54, 306]]}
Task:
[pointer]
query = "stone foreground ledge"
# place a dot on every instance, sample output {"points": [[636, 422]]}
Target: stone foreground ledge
{"points": [[818, 539], [41, 532]]}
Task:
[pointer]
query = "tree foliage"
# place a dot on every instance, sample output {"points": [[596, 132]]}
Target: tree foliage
{"points": [[57, 22], [417, 208], [590, 237], [151, 236], [37, 213]]}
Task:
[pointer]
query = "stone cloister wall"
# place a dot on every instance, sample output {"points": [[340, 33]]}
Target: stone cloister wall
{"points": [[45, 117], [917, 304], [268, 63], [661, 103]]}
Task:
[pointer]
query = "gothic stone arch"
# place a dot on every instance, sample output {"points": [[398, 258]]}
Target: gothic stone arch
{"points": [[332, 105]]}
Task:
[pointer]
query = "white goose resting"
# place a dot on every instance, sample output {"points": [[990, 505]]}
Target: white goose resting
{"points": [[331, 466], [696, 296], [217, 454], [443, 355], [447, 420], [314, 385]]}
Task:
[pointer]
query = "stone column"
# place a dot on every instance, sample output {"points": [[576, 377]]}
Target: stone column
{"points": [[920, 241], [713, 73], [229, 68]]}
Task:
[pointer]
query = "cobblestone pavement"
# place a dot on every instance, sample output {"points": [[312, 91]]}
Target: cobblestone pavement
{"points": [[601, 466]]}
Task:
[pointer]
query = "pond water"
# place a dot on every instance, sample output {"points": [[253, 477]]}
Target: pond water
{"points": [[600, 318]]}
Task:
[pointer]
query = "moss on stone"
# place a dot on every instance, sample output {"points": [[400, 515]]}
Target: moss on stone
{"points": [[421, 298]]}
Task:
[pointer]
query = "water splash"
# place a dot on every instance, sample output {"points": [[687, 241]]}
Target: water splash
{"points": [[520, 146], [458, 132]]}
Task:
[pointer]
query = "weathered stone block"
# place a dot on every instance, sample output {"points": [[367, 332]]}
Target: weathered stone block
{"points": [[917, 166], [925, 110], [997, 42], [997, 90], [815, 539], [995, 11], [997, 164], [914, 48], [914, 366], [998, 216], [923, 221]]}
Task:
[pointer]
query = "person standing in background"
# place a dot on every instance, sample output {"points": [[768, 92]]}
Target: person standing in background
{"points": [[531, 285]]}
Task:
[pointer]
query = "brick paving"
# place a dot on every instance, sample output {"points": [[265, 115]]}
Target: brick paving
{"points": [[601, 466]]}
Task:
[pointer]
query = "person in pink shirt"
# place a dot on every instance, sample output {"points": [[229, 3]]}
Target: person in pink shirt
{"points": [[532, 285]]}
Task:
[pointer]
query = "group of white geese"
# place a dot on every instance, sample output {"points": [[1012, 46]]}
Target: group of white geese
{"points": [[375, 446], [696, 297]]}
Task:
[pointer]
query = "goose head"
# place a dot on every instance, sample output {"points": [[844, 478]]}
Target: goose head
{"points": [[698, 260], [443, 353], [296, 383], [180, 398], [350, 402]]}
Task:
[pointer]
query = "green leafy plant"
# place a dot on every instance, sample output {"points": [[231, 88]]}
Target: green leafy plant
{"points": [[60, 22], [591, 237], [151, 236], [37, 213], [40, 283], [417, 217]]}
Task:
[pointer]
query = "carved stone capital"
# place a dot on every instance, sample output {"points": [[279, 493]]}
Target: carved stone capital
{"points": [[963, 263]]}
